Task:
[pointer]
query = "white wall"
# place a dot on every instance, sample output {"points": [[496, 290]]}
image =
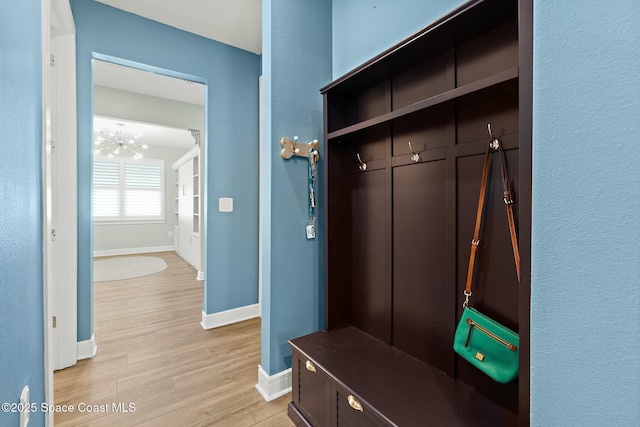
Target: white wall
{"points": [[127, 236], [109, 102]]}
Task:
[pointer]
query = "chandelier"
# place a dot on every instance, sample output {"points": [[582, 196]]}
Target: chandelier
{"points": [[113, 144]]}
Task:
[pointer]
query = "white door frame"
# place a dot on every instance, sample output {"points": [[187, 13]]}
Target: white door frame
{"points": [[65, 191], [59, 146], [260, 154], [47, 208]]}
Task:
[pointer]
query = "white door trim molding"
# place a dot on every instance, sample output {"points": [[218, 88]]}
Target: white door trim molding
{"points": [[59, 186], [260, 233], [64, 189], [65, 198], [48, 286]]}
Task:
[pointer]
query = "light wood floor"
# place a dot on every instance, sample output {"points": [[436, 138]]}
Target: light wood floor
{"points": [[153, 353]]}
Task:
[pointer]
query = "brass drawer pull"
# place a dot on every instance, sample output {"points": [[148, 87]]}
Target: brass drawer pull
{"points": [[353, 402], [309, 366]]}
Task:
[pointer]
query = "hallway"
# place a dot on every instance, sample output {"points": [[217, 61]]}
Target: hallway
{"points": [[156, 361]]}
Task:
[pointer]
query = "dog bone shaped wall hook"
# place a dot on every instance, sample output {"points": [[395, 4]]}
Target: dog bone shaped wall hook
{"points": [[291, 147]]}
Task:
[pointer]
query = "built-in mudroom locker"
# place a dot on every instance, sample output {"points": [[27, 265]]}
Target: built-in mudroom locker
{"points": [[187, 208], [406, 135]]}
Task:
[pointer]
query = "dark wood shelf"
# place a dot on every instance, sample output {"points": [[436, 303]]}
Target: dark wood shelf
{"points": [[450, 95], [391, 382]]}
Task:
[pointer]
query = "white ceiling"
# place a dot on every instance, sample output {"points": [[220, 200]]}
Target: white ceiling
{"points": [[234, 22], [146, 83]]}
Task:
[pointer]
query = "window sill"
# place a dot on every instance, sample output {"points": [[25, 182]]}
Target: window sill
{"points": [[130, 222]]}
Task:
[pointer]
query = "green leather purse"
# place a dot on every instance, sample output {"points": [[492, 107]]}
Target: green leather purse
{"points": [[489, 346], [486, 344]]}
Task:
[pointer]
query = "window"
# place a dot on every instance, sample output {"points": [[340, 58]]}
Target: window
{"points": [[127, 190]]}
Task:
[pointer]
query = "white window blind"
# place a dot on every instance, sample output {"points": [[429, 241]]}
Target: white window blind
{"points": [[106, 190], [128, 190]]}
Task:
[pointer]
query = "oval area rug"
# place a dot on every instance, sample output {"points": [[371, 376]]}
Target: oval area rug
{"points": [[127, 267]]}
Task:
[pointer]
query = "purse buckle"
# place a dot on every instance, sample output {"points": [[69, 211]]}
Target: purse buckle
{"points": [[467, 295]]}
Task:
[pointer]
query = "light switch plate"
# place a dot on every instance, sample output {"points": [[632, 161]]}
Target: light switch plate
{"points": [[225, 204]]}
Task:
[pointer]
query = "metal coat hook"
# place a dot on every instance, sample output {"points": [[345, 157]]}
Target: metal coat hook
{"points": [[495, 142], [415, 157], [362, 166]]}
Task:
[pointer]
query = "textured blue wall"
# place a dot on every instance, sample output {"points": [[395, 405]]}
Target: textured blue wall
{"points": [[585, 346], [296, 64], [21, 322], [231, 147], [364, 28]]}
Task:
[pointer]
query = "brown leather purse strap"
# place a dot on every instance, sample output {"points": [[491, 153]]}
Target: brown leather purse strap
{"points": [[476, 232], [508, 199]]}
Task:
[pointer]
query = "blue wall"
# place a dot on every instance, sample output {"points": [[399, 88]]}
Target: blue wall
{"points": [[296, 64], [21, 322], [364, 28], [231, 147], [586, 185], [585, 349]]}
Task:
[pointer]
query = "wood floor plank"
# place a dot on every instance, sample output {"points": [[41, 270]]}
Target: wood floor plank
{"points": [[89, 367], [214, 409], [263, 413], [153, 353]]}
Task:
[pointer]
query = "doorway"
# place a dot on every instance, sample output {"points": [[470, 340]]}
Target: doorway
{"points": [[65, 346], [148, 129], [146, 118]]}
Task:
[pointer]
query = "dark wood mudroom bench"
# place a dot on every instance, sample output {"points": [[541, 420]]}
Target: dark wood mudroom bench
{"points": [[392, 387]]}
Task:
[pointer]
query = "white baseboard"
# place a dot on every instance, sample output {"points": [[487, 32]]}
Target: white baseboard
{"points": [[273, 386], [132, 251], [215, 320], [200, 275], [87, 349]]}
